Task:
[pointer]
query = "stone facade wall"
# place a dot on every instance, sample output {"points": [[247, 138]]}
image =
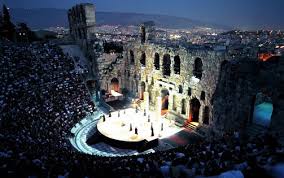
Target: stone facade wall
{"points": [[111, 66], [232, 87], [132, 75], [172, 83]]}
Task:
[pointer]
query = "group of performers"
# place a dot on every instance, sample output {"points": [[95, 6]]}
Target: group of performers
{"points": [[130, 126]]}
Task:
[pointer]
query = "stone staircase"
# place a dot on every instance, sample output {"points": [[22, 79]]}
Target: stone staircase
{"points": [[198, 130], [139, 102], [191, 126], [281, 140], [255, 129]]}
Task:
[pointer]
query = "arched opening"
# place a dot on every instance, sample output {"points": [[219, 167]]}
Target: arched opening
{"points": [[180, 89], [142, 90], [142, 34], [183, 106], [202, 96], [80, 34], [150, 90], [167, 65], [194, 110], [197, 69], [223, 64], [114, 84], [91, 84], [84, 34], [177, 65], [206, 115], [189, 91], [165, 101], [131, 56], [157, 61], [132, 86], [222, 69], [143, 59], [113, 47], [263, 109], [103, 92]]}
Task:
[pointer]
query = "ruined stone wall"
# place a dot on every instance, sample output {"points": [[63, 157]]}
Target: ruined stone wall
{"points": [[82, 23], [111, 66], [240, 83]]}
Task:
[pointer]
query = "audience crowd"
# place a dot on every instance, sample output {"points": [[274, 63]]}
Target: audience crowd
{"points": [[42, 97]]}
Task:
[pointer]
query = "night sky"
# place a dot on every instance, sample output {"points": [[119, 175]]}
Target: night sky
{"points": [[235, 13]]}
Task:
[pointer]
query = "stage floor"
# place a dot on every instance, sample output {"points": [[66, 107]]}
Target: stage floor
{"points": [[171, 137], [122, 124]]}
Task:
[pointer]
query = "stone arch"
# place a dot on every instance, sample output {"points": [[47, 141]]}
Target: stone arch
{"points": [[131, 56], [79, 33], [167, 65], [91, 84], [262, 110], [84, 34], [197, 69], [202, 95], [194, 110], [143, 59], [223, 64], [177, 64], [157, 61], [103, 92], [183, 106], [180, 89], [114, 84], [142, 89], [150, 91], [132, 86], [165, 100], [206, 115], [189, 92]]}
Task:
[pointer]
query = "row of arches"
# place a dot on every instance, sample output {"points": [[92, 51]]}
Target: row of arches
{"points": [[194, 104], [194, 107], [166, 64], [195, 110]]}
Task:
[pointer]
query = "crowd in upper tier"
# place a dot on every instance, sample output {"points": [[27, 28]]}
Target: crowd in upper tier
{"points": [[42, 97]]}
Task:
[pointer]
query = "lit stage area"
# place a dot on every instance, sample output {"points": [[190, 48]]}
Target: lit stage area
{"points": [[126, 132], [131, 128]]}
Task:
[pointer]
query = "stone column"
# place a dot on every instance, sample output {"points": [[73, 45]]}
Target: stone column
{"points": [[188, 109], [120, 84], [170, 100], [159, 106], [201, 109], [146, 102], [139, 91]]}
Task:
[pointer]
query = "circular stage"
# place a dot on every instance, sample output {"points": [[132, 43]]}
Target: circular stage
{"points": [[131, 129]]}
